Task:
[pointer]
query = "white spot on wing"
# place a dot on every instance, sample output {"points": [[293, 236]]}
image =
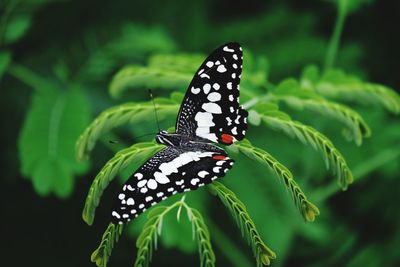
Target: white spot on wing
{"points": [[221, 69], [234, 130], [167, 168], [212, 108], [227, 49], [161, 178], [214, 96], [204, 76], [210, 136], [130, 201], [204, 118], [152, 184], [195, 90], [202, 130], [141, 183], [206, 88], [202, 174], [143, 190], [216, 169], [194, 181], [210, 64]]}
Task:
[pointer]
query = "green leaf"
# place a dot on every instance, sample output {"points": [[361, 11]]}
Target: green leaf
{"points": [[148, 237], [46, 143], [306, 208], [16, 28], [102, 254], [356, 129], [45, 174], [140, 78], [291, 87], [310, 136], [261, 251], [181, 63], [133, 42], [309, 76], [5, 59], [207, 257], [337, 85], [136, 153], [117, 116]]}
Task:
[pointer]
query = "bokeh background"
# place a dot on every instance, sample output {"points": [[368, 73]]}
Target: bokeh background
{"points": [[47, 47]]}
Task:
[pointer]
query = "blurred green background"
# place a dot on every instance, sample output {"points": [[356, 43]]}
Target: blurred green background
{"points": [[67, 52]]}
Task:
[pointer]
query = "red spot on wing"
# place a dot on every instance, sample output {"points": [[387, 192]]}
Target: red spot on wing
{"points": [[226, 138], [219, 157]]}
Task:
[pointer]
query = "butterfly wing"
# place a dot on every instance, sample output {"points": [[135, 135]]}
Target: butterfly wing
{"points": [[211, 107], [168, 172]]}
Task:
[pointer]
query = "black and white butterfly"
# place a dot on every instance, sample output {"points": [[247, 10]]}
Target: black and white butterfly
{"points": [[210, 113]]}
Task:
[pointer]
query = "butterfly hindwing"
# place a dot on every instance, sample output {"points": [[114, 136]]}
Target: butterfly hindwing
{"points": [[168, 172], [211, 107]]}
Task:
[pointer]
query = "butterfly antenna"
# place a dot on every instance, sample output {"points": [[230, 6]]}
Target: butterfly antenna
{"points": [[155, 110]]}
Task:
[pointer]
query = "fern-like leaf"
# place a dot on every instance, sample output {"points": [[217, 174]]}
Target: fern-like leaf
{"points": [[119, 115], [147, 239], [357, 128], [362, 93], [102, 254], [306, 208], [336, 84], [207, 257], [310, 136], [137, 152], [139, 77], [262, 252]]}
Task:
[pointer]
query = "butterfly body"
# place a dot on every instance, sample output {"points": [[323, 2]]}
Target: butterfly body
{"points": [[210, 113]]}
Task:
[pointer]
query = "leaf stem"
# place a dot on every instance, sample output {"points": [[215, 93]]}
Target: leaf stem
{"points": [[337, 32], [28, 77]]}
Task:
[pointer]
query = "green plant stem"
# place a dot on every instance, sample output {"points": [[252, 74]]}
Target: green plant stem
{"points": [[360, 171], [231, 252], [28, 77], [337, 32]]}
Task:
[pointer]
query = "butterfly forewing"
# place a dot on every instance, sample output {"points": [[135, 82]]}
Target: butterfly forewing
{"points": [[168, 172], [211, 108]]}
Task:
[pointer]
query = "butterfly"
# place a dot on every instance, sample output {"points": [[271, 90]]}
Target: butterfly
{"points": [[210, 114]]}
